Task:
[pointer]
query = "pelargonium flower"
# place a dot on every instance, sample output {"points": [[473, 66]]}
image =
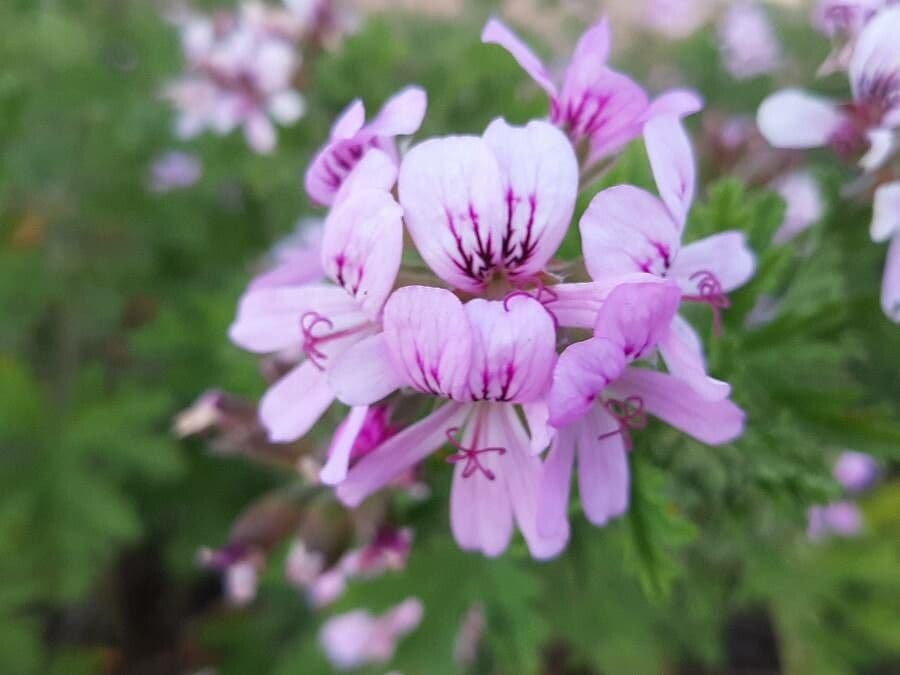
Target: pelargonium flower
{"points": [[855, 471], [484, 358], [358, 638], [792, 118], [597, 397], [361, 250], [842, 519], [599, 108], [174, 171], [626, 230], [843, 21], [239, 75], [748, 41], [866, 128], [351, 137]]}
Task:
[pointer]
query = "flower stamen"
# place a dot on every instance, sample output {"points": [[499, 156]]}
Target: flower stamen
{"points": [[629, 414], [470, 456], [709, 292]]}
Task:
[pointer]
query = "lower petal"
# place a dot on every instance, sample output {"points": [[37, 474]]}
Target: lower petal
{"points": [[675, 402], [556, 480], [683, 353], [295, 403], [603, 476], [400, 453]]}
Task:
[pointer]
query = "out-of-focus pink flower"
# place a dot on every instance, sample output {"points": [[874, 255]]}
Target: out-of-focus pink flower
{"points": [[388, 550], [594, 105], [843, 21], [856, 471], [351, 137], [677, 19], [596, 400], [470, 635], [628, 231], [239, 74], [841, 519], [748, 42], [294, 260], [240, 567], [174, 171], [803, 198], [358, 638], [795, 119]]}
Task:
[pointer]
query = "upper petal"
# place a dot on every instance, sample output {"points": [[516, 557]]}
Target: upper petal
{"points": [[362, 247], [886, 212], [497, 33], [430, 340], [675, 402], [792, 118], [365, 373], [874, 67], [636, 316], [376, 170], [540, 182], [583, 370], [349, 122], [514, 349], [399, 453], [591, 53], [726, 255], [401, 115], [452, 195], [626, 229], [672, 161]]}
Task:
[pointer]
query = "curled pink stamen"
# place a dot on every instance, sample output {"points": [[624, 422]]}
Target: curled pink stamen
{"points": [[470, 456], [539, 290], [709, 292], [308, 323], [629, 414]]}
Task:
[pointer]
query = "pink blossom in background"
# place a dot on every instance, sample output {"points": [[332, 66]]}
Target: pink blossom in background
{"points": [[863, 130], [677, 19], [239, 73], [856, 471], [748, 41], [470, 635], [351, 137], [175, 171], [359, 638], [595, 105], [841, 519], [843, 21], [804, 204], [297, 259], [240, 568]]}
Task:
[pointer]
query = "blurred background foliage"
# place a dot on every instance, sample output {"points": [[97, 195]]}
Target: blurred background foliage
{"points": [[115, 303]]}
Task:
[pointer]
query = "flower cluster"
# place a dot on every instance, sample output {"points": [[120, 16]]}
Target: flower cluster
{"points": [[509, 350], [863, 130], [241, 68]]}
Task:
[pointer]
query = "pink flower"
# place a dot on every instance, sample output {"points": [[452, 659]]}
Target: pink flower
{"points": [[795, 119], [239, 75], [856, 471], [484, 358], [593, 104], [175, 171], [843, 21], [805, 206], [361, 250], [842, 519], [388, 550], [627, 231], [748, 41], [358, 638], [597, 398], [295, 260], [677, 19], [351, 137]]}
